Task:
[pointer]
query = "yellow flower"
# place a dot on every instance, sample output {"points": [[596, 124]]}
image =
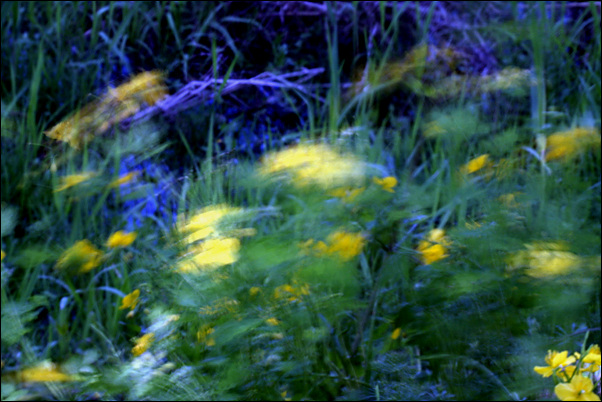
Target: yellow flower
{"points": [[386, 183], [143, 343], [291, 292], [81, 257], [396, 333], [130, 301], [284, 396], [273, 321], [205, 222], [124, 179], [44, 372], [346, 245], [317, 164], [476, 164], [579, 389], [254, 291], [73, 180], [3, 255], [121, 239], [593, 356], [211, 254], [433, 248], [544, 259], [148, 86], [567, 144], [555, 361]]}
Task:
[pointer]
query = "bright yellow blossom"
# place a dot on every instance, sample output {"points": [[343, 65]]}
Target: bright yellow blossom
{"points": [[211, 254], [544, 259], [346, 245], [579, 389], [81, 258], [386, 183], [147, 86], [143, 343], [567, 144], [130, 301], [73, 180], [273, 321], [396, 333], [434, 247], [3, 255], [555, 361], [205, 222], [476, 164], [44, 372], [316, 164], [121, 239], [254, 291]]}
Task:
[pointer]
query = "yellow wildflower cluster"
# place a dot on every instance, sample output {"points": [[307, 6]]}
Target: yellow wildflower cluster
{"points": [[292, 292], [205, 223], [434, 247], [568, 144], [82, 257], [121, 239], [44, 372], [573, 374], [210, 254], [544, 259], [143, 344], [114, 106], [316, 164], [341, 244], [216, 249]]}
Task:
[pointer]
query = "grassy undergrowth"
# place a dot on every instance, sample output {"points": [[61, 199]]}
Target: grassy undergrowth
{"points": [[300, 201]]}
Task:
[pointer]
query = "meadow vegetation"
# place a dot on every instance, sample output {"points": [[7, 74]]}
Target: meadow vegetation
{"points": [[301, 201]]}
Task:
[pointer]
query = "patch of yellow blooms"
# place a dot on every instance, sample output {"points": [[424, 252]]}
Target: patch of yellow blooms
{"points": [[434, 247], [111, 108], [573, 374], [313, 164]]}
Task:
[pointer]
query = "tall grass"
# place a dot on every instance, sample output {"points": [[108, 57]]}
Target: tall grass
{"points": [[333, 293]]}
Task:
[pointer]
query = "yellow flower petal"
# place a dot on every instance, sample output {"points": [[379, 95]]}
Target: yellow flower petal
{"points": [[579, 389], [130, 301], [386, 183], [81, 257], [143, 343], [121, 239], [396, 333], [476, 164], [45, 372]]}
